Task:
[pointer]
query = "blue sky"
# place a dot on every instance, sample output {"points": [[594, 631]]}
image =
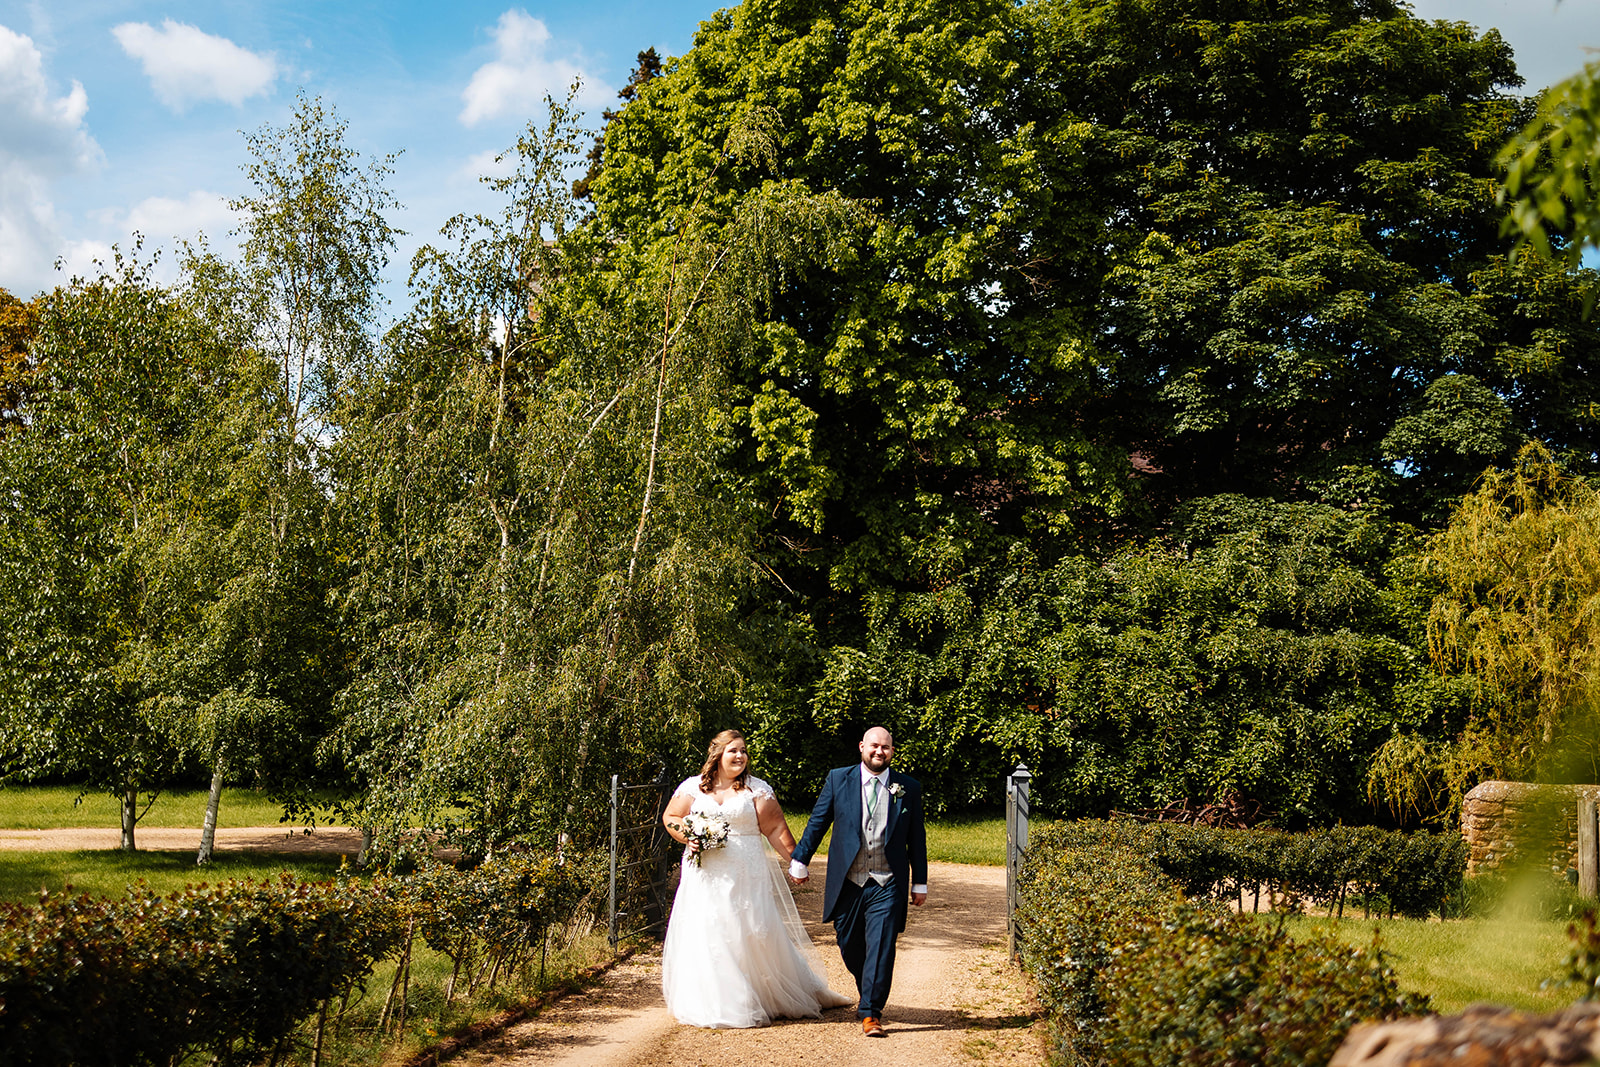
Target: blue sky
{"points": [[121, 115]]}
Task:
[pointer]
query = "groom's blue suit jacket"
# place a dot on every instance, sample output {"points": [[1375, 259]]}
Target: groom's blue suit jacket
{"points": [[906, 843]]}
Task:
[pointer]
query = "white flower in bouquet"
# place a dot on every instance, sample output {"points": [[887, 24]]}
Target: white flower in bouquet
{"points": [[705, 831]]}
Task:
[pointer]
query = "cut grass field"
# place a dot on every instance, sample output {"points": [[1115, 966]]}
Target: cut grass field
{"points": [[62, 807], [1462, 961], [110, 872]]}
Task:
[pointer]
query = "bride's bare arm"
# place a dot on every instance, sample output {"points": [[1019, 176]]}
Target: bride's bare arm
{"points": [[769, 817], [676, 809]]}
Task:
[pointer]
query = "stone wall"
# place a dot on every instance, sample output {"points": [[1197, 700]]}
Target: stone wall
{"points": [[1494, 815]]}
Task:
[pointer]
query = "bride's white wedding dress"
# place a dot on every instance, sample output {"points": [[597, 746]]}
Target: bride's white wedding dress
{"points": [[737, 954]]}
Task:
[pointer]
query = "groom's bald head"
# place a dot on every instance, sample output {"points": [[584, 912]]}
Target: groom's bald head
{"points": [[877, 749]]}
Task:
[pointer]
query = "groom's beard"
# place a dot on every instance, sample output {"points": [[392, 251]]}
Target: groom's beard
{"points": [[875, 764]]}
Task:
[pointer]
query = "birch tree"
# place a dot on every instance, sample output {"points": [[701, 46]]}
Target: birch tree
{"points": [[302, 304]]}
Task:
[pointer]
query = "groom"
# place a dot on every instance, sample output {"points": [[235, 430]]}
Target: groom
{"points": [[877, 861]]}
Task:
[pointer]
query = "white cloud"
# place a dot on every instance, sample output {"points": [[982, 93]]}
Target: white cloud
{"points": [[163, 222], [522, 73], [485, 165], [42, 138], [186, 65], [160, 217]]}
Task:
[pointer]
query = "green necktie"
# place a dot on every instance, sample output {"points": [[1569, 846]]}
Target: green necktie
{"points": [[872, 799]]}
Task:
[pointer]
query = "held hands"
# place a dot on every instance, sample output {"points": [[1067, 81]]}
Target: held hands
{"points": [[799, 874]]}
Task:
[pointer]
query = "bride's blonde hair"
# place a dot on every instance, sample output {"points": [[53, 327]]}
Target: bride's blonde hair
{"points": [[708, 772]]}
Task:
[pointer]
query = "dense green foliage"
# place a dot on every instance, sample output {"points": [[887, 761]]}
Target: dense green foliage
{"points": [[1087, 383], [230, 970], [1131, 971]]}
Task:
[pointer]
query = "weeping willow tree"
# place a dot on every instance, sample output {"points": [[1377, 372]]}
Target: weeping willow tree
{"points": [[549, 558], [1516, 619]]}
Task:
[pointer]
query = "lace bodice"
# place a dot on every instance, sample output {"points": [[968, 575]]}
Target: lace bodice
{"points": [[739, 809]]}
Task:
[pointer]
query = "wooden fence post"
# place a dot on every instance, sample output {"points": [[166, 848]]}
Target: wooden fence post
{"points": [[1588, 849]]}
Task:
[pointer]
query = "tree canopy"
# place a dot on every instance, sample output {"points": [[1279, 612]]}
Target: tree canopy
{"points": [[1095, 382]]}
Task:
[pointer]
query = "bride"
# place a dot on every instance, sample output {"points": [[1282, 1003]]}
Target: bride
{"points": [[737, 954]]}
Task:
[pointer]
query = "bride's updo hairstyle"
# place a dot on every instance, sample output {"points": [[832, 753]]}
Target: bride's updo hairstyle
{"points": [[708, 773]]}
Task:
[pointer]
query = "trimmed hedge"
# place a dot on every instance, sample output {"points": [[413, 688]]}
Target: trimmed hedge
{"points": [[1132, 971], [234, 970], [230, 969], [1415, 875]]}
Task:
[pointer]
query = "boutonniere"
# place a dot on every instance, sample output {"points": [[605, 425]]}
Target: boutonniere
{"points": [[897, 790]]}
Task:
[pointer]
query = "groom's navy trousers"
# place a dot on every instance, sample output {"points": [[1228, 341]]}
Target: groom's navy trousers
{"points": [[864, 922]]}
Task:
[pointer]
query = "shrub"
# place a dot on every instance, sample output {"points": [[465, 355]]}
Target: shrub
{"points": [[1126, 963], [233, 970], [1414, 875], [492, 918], [230, 969]]}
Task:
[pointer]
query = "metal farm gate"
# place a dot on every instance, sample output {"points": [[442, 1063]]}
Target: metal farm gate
{"points": [[642, 853]]}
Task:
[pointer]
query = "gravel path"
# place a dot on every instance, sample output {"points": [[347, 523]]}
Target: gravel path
{"points": [[955, 1001]]}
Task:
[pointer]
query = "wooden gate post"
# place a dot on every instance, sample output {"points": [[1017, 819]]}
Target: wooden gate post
{"points": [[1588, 849]]}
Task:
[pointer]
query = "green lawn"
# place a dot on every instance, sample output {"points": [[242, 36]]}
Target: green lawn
{"points": [[1457, 962], [110, 872], [60, 807]]}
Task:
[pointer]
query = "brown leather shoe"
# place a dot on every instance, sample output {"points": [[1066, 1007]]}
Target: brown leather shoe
{"points": [[872, 1027]]}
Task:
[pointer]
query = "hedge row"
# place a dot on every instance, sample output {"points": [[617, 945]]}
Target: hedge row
{"points": [[235, 970], [230, 970], [1415, 874], [1132, 971]]}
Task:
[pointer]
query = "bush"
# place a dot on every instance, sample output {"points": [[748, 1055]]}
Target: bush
{"points": [[493, 918], [1131, 970], [1414, 875], [230, 970], [233, 970]]}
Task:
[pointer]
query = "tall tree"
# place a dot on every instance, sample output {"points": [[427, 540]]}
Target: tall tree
{"points": [[551, 558], [1128, 254], [301, 306], [108, 515]]}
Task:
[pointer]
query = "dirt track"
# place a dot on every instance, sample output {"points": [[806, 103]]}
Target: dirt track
{"points": [[334, 839], [956, 1000]]}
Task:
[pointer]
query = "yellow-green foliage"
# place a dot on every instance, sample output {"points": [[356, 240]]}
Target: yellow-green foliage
{"points": [[1518, 616]]}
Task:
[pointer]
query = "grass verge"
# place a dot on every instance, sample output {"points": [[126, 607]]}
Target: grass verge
{"points": [[110, 872], [59, 807], [1502, 960]]}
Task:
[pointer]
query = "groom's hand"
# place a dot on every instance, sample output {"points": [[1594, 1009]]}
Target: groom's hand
{"points": [[919, 899], [799, 872]]}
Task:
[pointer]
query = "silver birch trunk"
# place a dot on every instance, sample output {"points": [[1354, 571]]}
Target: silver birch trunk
{"points": [[208, 829], [130, 815]]}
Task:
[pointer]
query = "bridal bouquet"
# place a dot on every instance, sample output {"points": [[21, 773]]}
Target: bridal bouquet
{"points": [[706, 831]]}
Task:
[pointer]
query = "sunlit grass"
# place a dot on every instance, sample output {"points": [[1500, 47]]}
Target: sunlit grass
{"points": [[110, 872], [62, 807], [1461, 961]]}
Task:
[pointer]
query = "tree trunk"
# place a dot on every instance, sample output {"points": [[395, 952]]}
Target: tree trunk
{"points": [[208, 829], [130, 815], [365, 855]]}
